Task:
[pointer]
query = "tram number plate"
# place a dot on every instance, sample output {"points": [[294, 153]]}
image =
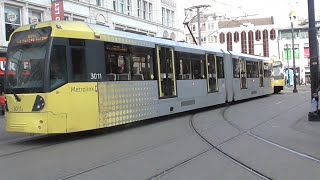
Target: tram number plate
{"points": [[95, 76], [17, 108]]}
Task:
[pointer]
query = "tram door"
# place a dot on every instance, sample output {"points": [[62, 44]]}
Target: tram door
{"points": [[166, 72], [243, 74], [212, 77], [261, 75]]}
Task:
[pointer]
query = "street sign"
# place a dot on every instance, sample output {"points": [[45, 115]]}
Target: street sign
{"points": [[57, 12]]}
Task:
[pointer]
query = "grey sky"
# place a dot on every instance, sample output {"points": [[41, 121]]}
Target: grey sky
{"points": [[280, 9]]}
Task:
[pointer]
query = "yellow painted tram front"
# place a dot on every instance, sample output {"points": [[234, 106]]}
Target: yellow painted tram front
{"points": [[37, 102], [278, 76]]}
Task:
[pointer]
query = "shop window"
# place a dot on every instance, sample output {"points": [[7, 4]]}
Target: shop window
{"points": [[12, 20], [287, 54], [34, 16]]}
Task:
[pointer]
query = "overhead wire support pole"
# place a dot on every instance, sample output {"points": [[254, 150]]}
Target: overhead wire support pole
{"points": [[194, 39], [294, 62], [314, 64], [199, 19], [288, 80], [199, 30]]}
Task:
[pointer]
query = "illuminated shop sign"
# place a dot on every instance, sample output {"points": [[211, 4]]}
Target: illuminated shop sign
{"points": [[2, 65], [12, 67]]}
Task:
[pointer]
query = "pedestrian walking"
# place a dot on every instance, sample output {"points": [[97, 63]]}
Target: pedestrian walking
{"points": [[3, 103]]}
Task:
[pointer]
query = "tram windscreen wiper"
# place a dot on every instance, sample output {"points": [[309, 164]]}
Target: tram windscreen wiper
{"points": [[14, 94], [17, 97]]}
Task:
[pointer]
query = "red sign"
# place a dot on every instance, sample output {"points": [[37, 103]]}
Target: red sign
{"points": [[2, 65], [306, 53], [57, 12]]}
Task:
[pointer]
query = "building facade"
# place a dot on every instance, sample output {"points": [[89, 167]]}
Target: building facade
{"points": [[301, 51], [149, 17], [249, 36]]}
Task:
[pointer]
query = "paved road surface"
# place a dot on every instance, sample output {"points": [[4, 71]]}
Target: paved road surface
{"points": [[266, 138]]}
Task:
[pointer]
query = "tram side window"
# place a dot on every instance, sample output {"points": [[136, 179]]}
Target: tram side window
{"points": [[236, 68], [212, 68], [58, 67], [267, 69], [117, 62], [252, 69], [198, 66], [125, 62], [78, 64], [220, 67], [142, 63], [183, 66]]}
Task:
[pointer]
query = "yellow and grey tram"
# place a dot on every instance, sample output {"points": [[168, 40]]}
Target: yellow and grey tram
{"points": [[64, 77]]}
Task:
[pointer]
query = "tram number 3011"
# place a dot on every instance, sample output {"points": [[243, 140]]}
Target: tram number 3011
{"points": [[95, 76]]}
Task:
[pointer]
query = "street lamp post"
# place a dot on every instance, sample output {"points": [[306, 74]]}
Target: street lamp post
{"points": [[292, 17], [288, 79], [314, 63]]}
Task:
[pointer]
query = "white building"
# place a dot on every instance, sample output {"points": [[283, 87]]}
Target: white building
{"points": [[301, 50], [251, 36], [149, 17]]}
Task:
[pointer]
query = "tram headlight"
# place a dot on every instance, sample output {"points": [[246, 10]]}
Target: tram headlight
{"points": [[38, 104]]}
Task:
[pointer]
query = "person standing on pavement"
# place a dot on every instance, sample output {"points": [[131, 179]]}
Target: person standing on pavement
{"points": [[3, 103]]}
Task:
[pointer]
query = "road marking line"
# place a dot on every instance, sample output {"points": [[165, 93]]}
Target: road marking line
{"points": [[285, 148]]}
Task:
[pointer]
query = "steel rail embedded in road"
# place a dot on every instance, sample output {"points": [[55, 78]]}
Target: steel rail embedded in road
{"points": [[248, 132], [168, 170]]}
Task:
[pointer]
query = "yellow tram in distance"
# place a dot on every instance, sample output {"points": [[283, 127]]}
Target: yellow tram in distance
{"points": [[69, 76], [278, 76]]}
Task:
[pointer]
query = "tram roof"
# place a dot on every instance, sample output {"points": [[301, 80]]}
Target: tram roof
{"points": [[249, 56], [83, 30]]}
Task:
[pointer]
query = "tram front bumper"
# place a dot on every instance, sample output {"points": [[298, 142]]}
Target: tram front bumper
{"points": [[38, 123]]}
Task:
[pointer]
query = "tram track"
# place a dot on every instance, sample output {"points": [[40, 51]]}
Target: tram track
{"points": [[213, 147], [38, 142], [185, 161], [242, 132], [249, 132]]}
